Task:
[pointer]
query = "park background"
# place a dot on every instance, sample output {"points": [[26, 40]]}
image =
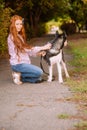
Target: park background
{"points": [[44, 17]]}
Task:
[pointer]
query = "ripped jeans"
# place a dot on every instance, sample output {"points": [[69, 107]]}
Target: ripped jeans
{"points": [[29, 73]]}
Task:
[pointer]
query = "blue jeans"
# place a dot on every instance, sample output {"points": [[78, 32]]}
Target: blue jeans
{"points": [[29, 73]]}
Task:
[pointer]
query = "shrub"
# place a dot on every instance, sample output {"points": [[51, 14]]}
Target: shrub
{"points": [[69, 28], [4, 24]]}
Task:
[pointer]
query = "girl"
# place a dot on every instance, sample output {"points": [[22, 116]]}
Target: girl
{"points": [[20, 52]]}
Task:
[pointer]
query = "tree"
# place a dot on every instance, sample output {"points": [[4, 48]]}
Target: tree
{"points": [[38, 11], [85, 1], [76, 13], [4, 24]]}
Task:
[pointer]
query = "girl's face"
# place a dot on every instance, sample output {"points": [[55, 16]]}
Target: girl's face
{"points": [[18, 25]]}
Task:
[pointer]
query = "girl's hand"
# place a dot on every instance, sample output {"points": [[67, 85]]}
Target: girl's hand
{"points": [[47, 46], [41, 53]]}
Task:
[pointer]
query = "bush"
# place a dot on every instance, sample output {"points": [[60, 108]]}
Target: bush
{"points": [[4, 24], [69, 28]]}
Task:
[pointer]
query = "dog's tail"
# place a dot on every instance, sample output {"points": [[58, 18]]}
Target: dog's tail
{"points": [[42, 65], [53, 77]]}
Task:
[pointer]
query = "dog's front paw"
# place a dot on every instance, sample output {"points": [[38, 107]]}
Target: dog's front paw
{"points": [[60, 81], [49, 80]]}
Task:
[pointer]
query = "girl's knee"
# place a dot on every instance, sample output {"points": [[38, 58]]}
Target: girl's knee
{"points": [[40, 72]]}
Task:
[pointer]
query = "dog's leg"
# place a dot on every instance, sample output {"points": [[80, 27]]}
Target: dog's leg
{"points": [[65, 69], [59, 69], [50, 73]]}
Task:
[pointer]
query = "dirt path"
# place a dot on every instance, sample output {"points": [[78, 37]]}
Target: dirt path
{"points": [[35, 106]]}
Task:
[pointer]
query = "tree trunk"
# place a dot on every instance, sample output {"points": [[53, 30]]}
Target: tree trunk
{"points": [[34, 21]]}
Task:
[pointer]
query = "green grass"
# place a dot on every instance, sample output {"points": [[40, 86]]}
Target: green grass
{"points": [[81, 126], [79, 51], [78, 85], [78, 48], [78, 80], [63, 116], [78, 77]]}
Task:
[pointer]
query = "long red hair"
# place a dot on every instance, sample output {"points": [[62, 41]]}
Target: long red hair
{"points": [[20, 44]]}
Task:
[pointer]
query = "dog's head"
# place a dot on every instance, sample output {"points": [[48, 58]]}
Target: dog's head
{"points": [[59, 41]]}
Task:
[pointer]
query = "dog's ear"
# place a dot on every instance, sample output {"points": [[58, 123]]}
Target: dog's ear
{"points": [[55, 38]]}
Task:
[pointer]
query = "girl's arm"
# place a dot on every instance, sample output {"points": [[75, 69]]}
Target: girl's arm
{"points": [[34, 51]]}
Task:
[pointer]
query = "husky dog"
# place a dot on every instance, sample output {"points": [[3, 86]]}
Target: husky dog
{"points": [[55, 56]]}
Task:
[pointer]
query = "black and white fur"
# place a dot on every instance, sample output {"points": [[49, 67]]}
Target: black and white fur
{"points": [[55, 56]]}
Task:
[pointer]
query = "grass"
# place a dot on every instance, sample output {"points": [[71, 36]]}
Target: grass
{"points": [[78, 74], [81, 125], [77, 48], [63, 116], [78, 80]]}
